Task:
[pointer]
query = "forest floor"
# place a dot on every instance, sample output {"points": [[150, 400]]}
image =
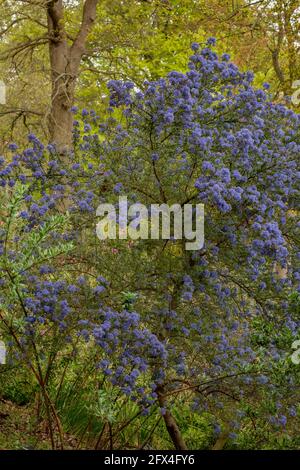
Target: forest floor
{"points": [[20, 430], [17, 428]]}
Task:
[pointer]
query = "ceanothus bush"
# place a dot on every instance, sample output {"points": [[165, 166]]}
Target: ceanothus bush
{"points": [[212, 326]]}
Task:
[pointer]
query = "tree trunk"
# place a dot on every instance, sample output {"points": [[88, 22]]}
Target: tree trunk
{"points": [[65, 58], [170, 422], [62, 97], [221, 441]]}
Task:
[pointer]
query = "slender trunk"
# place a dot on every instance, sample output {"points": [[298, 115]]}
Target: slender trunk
{"points": [[221, 441], [170, 422]]}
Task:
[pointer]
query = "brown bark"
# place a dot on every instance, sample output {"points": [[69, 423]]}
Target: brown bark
{"points": [[221, 441], [65, 58], [170, 422]]}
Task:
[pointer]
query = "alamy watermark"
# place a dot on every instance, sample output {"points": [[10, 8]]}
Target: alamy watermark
{"points": [[157, 221]]}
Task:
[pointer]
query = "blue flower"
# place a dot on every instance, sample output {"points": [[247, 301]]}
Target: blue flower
{"points": [[211, 41]]}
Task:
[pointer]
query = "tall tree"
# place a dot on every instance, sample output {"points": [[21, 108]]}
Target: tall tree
{"points": [[34, 25], [65, 58]]}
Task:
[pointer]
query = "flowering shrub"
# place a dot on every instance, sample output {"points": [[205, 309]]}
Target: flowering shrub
{"points": [[214, 326]]}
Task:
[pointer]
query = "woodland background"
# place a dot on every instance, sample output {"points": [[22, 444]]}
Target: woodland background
{"points": [[55, 55]]}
